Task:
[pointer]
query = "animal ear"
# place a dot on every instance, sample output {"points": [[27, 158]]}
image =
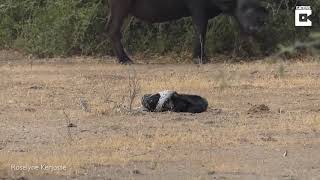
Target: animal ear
{"points": [[175, 94]]}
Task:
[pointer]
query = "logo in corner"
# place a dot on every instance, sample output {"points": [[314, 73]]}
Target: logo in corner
{"points": [[302, 16]]}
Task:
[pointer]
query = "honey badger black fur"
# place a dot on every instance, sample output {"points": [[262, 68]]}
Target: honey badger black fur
{"points": [[172, 101]]}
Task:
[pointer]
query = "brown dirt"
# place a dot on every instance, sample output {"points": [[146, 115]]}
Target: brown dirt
{"points": [[74, 113]]}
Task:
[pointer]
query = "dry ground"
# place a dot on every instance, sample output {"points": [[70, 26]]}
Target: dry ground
{"points": [[38, 101]]}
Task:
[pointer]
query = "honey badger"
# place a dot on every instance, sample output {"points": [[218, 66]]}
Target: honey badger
{"points": [[172, 101]]}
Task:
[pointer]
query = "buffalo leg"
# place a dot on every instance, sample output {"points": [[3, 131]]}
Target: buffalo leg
{"points": [[200, 21], [119, 11]]}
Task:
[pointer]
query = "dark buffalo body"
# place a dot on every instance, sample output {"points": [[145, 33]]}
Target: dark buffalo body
{"points": [[249, 13]]}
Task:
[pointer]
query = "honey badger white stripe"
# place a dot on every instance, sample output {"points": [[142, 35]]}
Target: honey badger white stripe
{"points": [[164, 96]]}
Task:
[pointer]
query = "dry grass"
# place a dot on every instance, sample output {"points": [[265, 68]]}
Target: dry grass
{"points": [[34, 131]]}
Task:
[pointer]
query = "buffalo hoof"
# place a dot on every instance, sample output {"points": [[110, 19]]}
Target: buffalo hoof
{"points": [[204, 60], [126, 61]]}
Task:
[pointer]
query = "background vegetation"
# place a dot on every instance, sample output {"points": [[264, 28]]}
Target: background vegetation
{"points": [[49, 28]]}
